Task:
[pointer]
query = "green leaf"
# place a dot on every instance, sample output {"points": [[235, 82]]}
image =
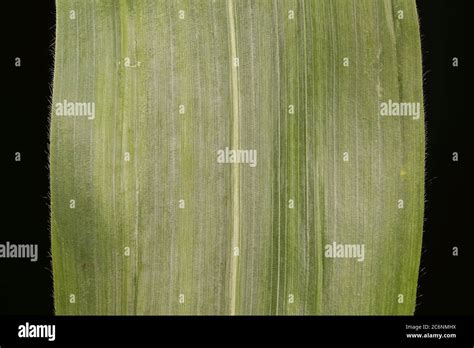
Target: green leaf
{"points": [[324, 212]]}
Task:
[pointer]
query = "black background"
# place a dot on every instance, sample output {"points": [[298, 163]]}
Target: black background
{"points": [[28, 32]]}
